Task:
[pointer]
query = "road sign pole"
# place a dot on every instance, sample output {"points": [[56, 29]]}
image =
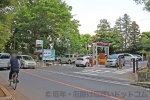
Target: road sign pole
{"points": [[42, 56], [133, 65]]}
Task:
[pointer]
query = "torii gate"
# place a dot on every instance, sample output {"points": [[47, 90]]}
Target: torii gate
{"points": [[102, 45]]}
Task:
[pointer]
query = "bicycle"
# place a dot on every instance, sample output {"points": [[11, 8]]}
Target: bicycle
{"points": [[14, 80]]}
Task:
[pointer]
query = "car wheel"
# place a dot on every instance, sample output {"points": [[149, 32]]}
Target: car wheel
{"points": [[59, 61], [22, 66], [69, 62], [77, 65], [33, 68]]}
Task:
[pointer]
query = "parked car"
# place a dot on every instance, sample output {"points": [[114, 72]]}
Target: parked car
{"points": [[90, 55], [129, 57], [4, 60], [57, 58], [82, 61], [113, 60], [26, 61], [139, 57], [68, 58]]}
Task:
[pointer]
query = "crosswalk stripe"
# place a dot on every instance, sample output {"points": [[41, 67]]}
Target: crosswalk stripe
{"points": [[85, 73]]}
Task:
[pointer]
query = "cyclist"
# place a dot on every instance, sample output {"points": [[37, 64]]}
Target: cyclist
{"points": [[15, 66]]}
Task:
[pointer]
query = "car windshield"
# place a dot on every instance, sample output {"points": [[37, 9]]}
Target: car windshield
{"points": [[113, 57], [27, 58], [81, 55], [4, 56]]}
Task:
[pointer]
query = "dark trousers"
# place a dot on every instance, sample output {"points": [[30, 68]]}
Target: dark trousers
{"points": [[12, 70]]}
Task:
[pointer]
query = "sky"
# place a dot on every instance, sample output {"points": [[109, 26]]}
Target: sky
{"points": [[89, 13]]}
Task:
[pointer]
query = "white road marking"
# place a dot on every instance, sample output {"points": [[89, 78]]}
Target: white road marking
{"points": [[119, 72], [93, 79], [106, 71]]}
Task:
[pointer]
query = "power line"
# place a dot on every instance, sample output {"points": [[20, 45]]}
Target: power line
{"points": [[144, 19]]}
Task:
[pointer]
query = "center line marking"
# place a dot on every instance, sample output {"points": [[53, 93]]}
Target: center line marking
{"points": [[73, 86]]}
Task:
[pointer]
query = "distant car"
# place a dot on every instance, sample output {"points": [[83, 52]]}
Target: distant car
{"points": [[129, 57], [112, 60], [90, 55], [26, 61], [57, 58], [82, 61], [4, 60], [82, 55], [68, 58], [139, 57]]}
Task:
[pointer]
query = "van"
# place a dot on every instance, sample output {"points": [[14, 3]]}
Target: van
{"points": [[68, 58], [4, 60]]}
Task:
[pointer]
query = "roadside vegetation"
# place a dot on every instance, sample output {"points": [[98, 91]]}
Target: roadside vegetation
{"points": [[25, 21]]}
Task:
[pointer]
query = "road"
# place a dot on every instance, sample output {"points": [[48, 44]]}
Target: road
{"points": [[57, 83]]}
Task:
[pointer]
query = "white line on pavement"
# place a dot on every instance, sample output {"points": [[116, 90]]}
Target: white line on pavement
{"points": [[93, 79]]}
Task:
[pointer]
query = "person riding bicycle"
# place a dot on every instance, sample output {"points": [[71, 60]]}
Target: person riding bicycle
{"points": [[15, 66]]}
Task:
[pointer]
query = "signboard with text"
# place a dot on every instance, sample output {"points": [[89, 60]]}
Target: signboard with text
{"points": [[48, 54], [39, 43]]}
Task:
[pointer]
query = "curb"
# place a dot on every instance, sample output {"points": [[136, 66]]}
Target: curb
{"points": [[8, 96], [140, 84]]}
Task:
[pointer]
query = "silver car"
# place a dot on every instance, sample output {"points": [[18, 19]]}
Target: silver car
{"points": [[26, 61], [4, 60], [113, 60]]}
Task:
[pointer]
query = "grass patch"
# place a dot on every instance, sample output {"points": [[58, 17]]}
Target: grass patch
{"points": [[145, 69]]}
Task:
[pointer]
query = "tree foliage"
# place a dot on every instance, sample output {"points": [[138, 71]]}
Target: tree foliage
{"points": [[6, 19], [85, 40], [40, 18], [126, 30], [134, 35], [145, 2], [106, 34]]}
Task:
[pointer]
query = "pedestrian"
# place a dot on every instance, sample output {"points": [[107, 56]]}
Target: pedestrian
{"points": [[14, 66]]}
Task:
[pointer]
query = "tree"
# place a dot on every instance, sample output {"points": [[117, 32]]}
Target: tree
{"points": [[119, 26], [145, 2], [144, 44], [134, 35], [6, 19], [40, 18], [107, 34], [104, 25], [85, 40], [126, 32]]}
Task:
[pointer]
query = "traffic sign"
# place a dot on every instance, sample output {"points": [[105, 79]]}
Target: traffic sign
{"points": [[39, 43]]}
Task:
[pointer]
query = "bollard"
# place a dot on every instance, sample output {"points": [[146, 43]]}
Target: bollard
{"points": [[137, 68], [133, 65], [120, 66], [90, 62]]}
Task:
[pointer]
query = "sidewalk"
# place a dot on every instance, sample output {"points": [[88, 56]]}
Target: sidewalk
{"points": [[132, 77], [15, 93]]}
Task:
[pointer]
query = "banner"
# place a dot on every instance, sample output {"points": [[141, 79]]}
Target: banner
{"points": [[48, 54]]}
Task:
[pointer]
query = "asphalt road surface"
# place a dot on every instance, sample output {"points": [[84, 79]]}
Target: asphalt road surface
{"points": [[57, 84]]}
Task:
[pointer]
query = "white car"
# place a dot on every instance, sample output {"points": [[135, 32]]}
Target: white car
{"points": [[82, 61], [4, 60], [129, 57]]}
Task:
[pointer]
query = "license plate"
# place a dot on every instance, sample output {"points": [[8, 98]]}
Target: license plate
{"points": [[107, 64]]}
